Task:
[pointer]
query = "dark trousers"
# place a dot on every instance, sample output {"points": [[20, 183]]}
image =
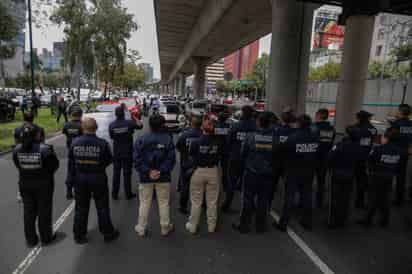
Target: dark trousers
{"points": [[84, 191], [38, 205], [255, 200], [401, 181], [321, 172], [185, 176], [225, 173], [35, 111], [70, 178], [233, 182], [341, 187], [361, 185], [59, 114], [379, 193], [126, 166], [298, 181], [277, 175]]}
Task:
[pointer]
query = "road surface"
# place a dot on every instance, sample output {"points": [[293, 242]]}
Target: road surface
{"points": [[353, 250]]}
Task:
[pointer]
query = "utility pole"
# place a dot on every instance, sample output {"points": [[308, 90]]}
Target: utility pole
{"points": [[31, 48]]}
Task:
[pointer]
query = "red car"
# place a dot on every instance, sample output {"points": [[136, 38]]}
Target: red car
{"points": [[132, 105]]}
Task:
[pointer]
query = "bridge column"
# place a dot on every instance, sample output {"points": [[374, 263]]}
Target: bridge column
{"points": [[290, 51], [200, 77], [358, 41]]}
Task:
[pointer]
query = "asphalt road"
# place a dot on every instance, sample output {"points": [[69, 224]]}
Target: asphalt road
{"points": [[353, 250]]}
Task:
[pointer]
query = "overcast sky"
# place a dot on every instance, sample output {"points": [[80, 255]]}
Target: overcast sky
{"points": [[144, 40]]}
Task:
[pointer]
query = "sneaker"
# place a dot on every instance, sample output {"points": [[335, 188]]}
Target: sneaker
{"points": [[115, 197], [81, 240], [189, 228], [139, 231], [165, 231], [31, 244], [110, 238]]}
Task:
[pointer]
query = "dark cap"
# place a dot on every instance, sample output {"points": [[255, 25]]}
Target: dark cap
{"points": [[364, 114]]}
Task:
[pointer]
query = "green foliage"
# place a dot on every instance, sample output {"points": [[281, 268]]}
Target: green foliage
{"points": [[376, 68], [260, 72], [53, 80], [8, 30], [130, 78], [328, 72], [403, 53]]}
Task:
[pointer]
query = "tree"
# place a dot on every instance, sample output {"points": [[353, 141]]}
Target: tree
{"points": [[376, 68], [130, 78], [8, 32], [53, 80], [260, 72], [327, 72]]}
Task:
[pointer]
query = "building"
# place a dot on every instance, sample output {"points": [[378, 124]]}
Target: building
{"points": [[50, 61], [58, 49], [148, 71], [391, 31], [215, 72], [241, 62], [15, 66]]}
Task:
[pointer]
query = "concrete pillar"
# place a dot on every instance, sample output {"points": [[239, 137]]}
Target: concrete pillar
{"points": [[290, 51], [358, 41], [182, 84], [199, 82]]}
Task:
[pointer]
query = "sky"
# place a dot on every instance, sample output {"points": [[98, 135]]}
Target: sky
{"points": [[144, 39]]}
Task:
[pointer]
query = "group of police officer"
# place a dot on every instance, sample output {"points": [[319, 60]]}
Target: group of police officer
{"points": [[252, 155]]}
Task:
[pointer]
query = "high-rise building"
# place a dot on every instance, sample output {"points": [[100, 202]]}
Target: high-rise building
{"points": [[215, 72], [148, 71], [58, 49], [241, 62]]}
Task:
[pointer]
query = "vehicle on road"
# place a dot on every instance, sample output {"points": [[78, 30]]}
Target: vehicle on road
{"points": [[198, 107], [133, 107], [174, 116]]}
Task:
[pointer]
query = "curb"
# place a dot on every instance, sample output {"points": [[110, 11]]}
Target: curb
{"points": [[49, 137]]}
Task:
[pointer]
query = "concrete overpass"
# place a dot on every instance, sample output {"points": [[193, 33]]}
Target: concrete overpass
{"points": [[195, 33]]}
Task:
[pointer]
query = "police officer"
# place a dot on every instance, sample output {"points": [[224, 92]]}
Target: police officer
{"points": [[186, 162], [154, 159], [237, 134], [205, 180], [28, 119], [281, 135], [368, 134], [257, 154], [342, 161], [72, 130], [121, 131], [299, 154], [326, 138], [37, 164], [404, 126], [383, 165], [90, 156], [222, 128]]}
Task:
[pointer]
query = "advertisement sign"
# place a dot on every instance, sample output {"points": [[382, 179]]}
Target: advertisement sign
{"points": [[328, 34]]}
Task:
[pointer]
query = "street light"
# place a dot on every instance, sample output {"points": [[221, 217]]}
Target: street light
{"points": [[31, 48]]}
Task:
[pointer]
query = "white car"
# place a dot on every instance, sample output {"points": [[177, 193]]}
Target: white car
{"points": [[175, 119]]}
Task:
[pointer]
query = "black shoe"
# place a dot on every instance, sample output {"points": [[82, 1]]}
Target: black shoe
{"points": [[69, 195], [364, 222], [183, 210], [240, 229], [81, 240], [131, 196], [261, 229], [306, 226], [280, 227], [33, 243], [112, 237], [51, 240], [115, 197]]}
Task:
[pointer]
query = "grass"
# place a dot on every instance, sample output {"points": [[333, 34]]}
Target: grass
{"points": [[45, 120]]}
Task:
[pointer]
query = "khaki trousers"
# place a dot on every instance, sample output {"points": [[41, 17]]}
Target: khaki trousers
{"points": [[163, 200], [204, 179]]}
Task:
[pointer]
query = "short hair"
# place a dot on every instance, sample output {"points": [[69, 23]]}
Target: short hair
{"points": [[156, 122], [265, 119], [247, 112], [404, 109], [28, 117], [304, 121], [323, 113], [196, 121], [89, 124], [288, 117], [392, 134], [119, 112]]}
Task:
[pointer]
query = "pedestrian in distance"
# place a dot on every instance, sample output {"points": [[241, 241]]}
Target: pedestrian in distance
{"points": [[300, 160], [121, 131], [35, 104], [37, 164], [383, 165], [257, 155], [404, 125], [206, 154], [90, 156], [327, 135], [72, 130], [237, 134], [342, 162], [154, 158], [368, 137], [186, 161], [61, 109]]}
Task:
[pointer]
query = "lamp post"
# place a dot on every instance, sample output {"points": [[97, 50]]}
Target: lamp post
{"points": [[31, 48]]}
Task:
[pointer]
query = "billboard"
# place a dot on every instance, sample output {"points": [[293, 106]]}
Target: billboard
{"points": [[328, 34]]}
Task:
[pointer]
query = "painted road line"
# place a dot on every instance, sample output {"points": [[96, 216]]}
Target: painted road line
{"points": [[305, 248], [25, 264]]}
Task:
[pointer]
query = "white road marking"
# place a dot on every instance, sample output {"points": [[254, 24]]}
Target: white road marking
{"points": [[25, 264], [324, 268]]}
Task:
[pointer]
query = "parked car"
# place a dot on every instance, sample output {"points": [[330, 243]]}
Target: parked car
{"points": [[175, 118], [7, 109], [198, 107], [133, 107]]}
